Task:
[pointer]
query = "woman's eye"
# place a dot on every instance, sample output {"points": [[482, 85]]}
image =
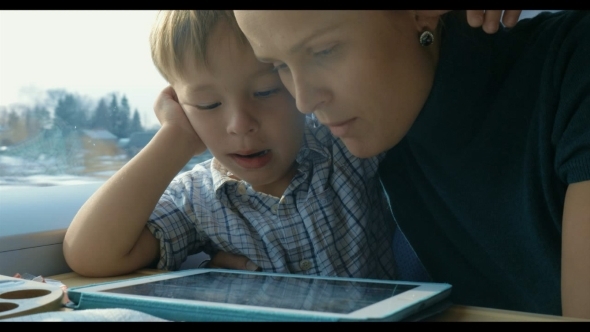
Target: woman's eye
{"points": [[267, 93], [279, 67], [208, 107], [325, 52]]}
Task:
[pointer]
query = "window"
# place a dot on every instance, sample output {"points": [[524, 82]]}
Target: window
{"points": [[75, 86], [76, 96]]}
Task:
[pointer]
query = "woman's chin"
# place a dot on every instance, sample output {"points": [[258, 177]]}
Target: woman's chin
{"points": [[361, 149]]}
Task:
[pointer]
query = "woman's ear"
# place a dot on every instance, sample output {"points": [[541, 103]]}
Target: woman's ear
{"points": [[428, 19]]}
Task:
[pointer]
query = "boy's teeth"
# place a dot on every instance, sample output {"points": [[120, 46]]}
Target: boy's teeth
{"points": [[257, 154]]}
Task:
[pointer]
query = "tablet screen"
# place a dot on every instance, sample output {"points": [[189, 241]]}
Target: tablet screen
{"points": [[335, 296]]}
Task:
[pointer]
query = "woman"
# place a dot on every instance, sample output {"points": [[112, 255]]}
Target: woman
{"points": [[488, 138]]}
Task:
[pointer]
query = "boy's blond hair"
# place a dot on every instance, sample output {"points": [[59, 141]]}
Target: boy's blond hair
{"points": [[177, 34]]}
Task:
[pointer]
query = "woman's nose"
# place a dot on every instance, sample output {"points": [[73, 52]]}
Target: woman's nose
{"points": [[309, 94]]}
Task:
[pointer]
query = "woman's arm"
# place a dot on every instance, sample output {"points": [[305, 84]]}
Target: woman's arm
{"points": [[575, 255], [108, 236]]}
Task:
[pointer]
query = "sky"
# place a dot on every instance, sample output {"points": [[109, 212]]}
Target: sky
{"points": [[89, 52]]}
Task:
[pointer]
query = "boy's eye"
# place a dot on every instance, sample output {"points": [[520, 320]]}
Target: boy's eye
{"points": [[267, 93], [208, 107]]}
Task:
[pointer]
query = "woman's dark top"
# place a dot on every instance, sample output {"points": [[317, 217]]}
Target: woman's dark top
{"points": [[478, 184]]}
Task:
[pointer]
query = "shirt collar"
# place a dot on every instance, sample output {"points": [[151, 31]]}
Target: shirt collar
{"points": [[221, 177], [315, 143]]}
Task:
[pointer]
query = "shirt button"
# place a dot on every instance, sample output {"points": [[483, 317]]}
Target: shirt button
{"points": [[274, 208], [305, 265], [241, 189]]}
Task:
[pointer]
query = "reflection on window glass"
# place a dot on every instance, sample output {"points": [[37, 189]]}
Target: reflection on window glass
{"points": [[75, 98], [533, 13]]}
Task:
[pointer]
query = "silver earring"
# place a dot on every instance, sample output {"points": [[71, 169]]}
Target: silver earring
{"points": [[426, 38], [314, 121]]}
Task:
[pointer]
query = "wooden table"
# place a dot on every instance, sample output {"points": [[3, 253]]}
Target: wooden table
{"points": [[455, 313]]}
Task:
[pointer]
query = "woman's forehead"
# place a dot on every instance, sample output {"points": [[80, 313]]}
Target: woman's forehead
{"points": [[260, 21], [288, 31]]}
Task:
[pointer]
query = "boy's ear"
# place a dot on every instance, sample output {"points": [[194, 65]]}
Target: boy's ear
{"points": [[428, 19]]}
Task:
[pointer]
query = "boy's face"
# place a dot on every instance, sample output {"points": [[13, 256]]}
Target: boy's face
{"points": [[242, 112]]}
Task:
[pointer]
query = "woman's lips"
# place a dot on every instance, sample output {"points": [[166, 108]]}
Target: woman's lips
{"points": [[252, 160], [340, 129]]}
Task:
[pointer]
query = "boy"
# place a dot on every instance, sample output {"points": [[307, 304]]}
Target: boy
{"points": [[290, 197]]}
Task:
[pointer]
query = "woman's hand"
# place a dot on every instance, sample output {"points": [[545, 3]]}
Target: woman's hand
{"points": [[488, 19], [169, 112]]}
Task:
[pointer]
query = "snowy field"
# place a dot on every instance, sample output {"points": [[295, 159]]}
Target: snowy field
{"points": [[19, 172], [46, 171]]}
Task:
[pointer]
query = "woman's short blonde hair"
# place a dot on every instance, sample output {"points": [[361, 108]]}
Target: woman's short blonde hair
{"points": [[177, 34]]}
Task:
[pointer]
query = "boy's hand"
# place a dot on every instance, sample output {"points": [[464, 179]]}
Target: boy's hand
{"points": [[225, 260], [169, 112], [489, 19]]}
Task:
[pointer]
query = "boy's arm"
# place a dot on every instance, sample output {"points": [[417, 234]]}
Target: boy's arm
{"points": [[575, 254], [108, 236]]}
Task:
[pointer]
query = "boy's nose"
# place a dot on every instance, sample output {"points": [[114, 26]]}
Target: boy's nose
{"points": [[242, 123]]}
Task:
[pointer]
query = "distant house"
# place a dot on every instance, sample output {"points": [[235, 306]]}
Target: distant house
{"points": [[99, 147], [5, 136], [99, 142], [136, 142], [100, 134]]}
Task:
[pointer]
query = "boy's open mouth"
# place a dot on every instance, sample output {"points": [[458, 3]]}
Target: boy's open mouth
{"points": [[253, 160], [253, 155]]}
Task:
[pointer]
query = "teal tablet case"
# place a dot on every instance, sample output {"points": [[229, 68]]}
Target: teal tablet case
{"points": [[174, 310]]}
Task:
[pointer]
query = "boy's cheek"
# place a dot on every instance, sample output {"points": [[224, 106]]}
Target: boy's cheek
{"points": [[199, 126]]}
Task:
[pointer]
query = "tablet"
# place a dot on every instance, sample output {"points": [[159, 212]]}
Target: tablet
{"points": [[228, 295]]}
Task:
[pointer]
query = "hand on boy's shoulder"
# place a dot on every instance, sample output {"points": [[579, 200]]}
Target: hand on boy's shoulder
{"points": [[489, 20]]}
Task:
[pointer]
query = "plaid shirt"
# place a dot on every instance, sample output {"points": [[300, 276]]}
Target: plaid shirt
{"points": [[332, 219]]}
